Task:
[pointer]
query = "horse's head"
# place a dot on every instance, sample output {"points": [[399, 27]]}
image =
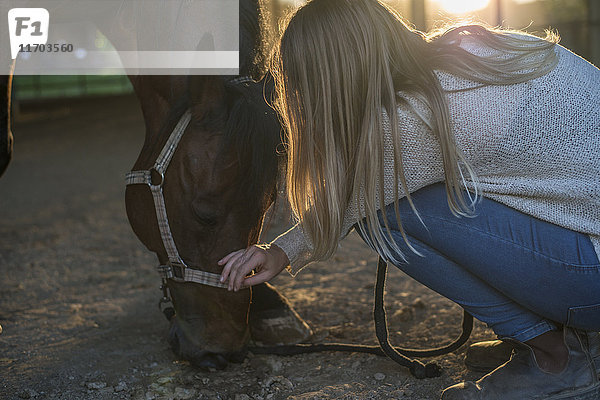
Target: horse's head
{"points": [[217, 187]]}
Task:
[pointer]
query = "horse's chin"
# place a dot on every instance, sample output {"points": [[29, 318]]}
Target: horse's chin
{"points": [[185, 349]]}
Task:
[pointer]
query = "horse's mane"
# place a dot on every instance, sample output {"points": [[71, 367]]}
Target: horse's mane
{"points": [[254, 130], [252, 126]]}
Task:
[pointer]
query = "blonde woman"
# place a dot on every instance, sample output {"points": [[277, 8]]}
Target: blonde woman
{"points": [[469, 158]]}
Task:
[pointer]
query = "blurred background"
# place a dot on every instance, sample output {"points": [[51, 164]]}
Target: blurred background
{"points": [[577, 21]]}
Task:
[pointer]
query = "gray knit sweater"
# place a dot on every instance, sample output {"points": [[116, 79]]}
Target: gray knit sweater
{"points": [[534, 146]]}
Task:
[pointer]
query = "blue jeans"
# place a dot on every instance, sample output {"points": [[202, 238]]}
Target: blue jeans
{"points": [[518, 274]]}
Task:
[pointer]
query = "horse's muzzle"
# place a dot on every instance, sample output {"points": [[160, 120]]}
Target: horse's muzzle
{"points": [[186, 350]]}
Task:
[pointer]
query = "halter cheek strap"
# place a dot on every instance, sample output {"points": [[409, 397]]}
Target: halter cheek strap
{"points": [[176, 269]]}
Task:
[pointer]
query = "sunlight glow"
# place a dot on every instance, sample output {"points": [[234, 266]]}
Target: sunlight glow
{"points": [[462, 6]]}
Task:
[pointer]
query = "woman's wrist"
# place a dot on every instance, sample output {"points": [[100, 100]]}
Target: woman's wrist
{"points": [[280, 256]]}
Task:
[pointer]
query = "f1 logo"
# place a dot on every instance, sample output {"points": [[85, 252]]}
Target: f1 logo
{"points": [[27, 26]]}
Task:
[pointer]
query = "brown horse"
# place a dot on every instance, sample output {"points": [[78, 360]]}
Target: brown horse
{"points": [[220, 182], [217, 188]]}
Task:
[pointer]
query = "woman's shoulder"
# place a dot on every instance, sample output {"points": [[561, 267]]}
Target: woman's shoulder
{"points": [[571, 69], [475, 45], [568, 61]]}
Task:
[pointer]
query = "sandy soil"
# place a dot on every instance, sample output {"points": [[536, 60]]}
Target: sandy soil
{"points": [[78, 292]]}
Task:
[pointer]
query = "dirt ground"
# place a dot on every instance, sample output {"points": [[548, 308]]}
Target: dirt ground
{"points": [[78, 292]]}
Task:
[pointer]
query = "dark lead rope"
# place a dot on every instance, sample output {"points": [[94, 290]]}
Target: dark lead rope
{"points": [[397, 354], [400, 355]]}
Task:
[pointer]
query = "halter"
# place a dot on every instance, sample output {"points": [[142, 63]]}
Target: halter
{"points": [[175, 269]]}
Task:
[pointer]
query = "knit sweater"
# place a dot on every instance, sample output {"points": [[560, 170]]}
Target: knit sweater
{"points": [[534, 146]]}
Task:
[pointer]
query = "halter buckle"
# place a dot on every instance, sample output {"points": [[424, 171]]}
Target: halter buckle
{"points": [[177, 270]]}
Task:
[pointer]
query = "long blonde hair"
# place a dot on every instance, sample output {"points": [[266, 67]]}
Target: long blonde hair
{"points": [[339, 63]]}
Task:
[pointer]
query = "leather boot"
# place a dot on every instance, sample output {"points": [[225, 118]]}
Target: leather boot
{"points": [[489, 355], [522, 379]]}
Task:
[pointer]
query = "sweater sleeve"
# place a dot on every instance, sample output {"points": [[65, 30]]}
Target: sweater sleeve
{"points": [[298, 247]]}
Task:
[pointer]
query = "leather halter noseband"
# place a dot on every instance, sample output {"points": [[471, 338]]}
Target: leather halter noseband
{"points": [[175, 269]]}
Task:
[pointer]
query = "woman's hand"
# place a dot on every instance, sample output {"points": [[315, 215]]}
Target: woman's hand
{"points": [[267, 262]]}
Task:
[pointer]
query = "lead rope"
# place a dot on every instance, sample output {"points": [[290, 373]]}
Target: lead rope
{"points": [[397, 354]]}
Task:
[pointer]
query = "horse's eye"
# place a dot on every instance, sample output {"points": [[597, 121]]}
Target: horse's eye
{"points": [[207, 218]]}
